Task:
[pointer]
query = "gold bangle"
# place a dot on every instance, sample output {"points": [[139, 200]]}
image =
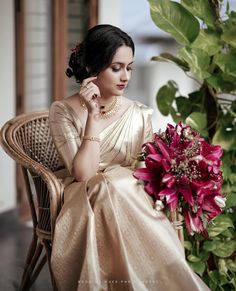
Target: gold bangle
{"points": [[92, 138]]}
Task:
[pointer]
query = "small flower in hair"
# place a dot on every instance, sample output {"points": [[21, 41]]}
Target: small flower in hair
{"points": [[76, 48]]}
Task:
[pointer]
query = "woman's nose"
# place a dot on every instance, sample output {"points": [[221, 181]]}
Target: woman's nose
{"points": [[125, 75]]}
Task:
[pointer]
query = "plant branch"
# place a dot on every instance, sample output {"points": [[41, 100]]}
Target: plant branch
{"points": [[191, 77]]}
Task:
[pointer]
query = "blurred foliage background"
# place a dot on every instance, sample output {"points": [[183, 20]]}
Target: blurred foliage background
{"points": [[205, 31]]}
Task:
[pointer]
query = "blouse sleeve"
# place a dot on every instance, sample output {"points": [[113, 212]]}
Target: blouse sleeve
{"points": [[148, 127], [147, 122], [66, 132]]}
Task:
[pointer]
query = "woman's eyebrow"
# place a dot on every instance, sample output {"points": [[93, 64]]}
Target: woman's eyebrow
{"points": [[120, 63]]}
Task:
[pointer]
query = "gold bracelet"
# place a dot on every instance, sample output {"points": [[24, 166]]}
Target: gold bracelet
{"points": [[92, 138]]}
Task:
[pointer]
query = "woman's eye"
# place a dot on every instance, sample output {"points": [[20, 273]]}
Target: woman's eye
{"points": [[115, 69], [130, 69]]}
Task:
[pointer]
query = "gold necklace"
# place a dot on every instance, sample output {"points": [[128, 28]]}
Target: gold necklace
{"points": [[105, 114]]}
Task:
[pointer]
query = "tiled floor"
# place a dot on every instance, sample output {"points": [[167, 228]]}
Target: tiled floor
{"points": [[14, 241]]}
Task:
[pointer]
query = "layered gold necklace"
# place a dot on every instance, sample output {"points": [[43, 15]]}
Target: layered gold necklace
{"points": [[106, 111]]}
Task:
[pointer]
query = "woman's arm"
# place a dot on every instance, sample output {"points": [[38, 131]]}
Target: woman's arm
{"points": [[86, 161]]}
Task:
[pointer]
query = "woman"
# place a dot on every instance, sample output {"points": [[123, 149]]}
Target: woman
{"points": [[108, 235]]}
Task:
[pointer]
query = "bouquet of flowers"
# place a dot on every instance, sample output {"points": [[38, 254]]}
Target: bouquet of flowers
{"points": [[183, 173]]}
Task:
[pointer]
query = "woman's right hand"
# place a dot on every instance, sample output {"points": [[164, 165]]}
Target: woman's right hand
{"points": [[89, 93]]}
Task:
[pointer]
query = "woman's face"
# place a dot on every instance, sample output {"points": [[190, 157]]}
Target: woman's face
{"points": [[114, 79]]}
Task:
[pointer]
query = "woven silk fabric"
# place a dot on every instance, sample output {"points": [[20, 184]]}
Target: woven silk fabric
{"points": [[108, 235]]}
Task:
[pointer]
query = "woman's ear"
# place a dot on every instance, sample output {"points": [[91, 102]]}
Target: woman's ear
{"points": [[87, 69]]}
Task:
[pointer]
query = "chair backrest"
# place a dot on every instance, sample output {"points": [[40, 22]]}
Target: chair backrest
{"points": [[27, 139]]}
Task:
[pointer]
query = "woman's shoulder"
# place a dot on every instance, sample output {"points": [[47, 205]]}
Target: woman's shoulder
{"points": [[143, 107], [64, 106]]}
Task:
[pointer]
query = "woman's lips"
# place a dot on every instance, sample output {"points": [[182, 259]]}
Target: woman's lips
{"points": [[121, 87]]}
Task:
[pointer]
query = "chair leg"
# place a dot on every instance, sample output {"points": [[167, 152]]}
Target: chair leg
{"points": [[48, 249], [32, 259], [30, 255]]}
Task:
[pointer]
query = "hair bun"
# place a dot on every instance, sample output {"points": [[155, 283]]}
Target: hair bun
{"points": [[69, 72]]}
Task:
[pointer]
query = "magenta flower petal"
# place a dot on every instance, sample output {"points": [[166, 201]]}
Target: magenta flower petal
{"points": [[164, 149], [169, 180], [170, 197], [144, 174], [186, 191]]}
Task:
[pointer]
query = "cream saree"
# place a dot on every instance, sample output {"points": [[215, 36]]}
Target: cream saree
{"points": [[108, 234]]}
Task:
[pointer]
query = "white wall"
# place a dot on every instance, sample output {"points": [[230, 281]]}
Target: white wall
{"points": [[7, 100], [109, 12]]}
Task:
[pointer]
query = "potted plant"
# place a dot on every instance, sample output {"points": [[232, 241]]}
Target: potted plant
{"points": [[205, 31]]}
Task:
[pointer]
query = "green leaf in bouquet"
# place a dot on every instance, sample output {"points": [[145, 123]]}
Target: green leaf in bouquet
{"points": [[208, 41], [227, 63], [166, 57], [198, 61], [198, 267], [225, 138], [201, 9], [165, 97], [219, 224], [198, 121], [174, 19], [224, 249]]}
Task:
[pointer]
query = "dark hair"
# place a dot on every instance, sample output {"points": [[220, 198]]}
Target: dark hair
{"points": [[97, 51]]}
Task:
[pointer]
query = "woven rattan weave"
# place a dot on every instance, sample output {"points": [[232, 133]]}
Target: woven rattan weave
{"points": [[26, 138]]}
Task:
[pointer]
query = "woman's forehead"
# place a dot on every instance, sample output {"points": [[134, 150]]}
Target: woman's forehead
{"points": [[124, 54]]}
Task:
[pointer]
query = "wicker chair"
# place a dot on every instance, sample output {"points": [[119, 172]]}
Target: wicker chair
{"points": [[26, 138]]}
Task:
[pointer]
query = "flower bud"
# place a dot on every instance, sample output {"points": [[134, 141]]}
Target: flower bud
{"points": [[220, 201], [159, 205]]}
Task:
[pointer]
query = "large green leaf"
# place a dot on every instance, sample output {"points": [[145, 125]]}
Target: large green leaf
{"points": [[173, 18], [221, 83], [231, 199], [166, 57], [201, 9], [224, 249], [229, 36], [220, 248], [222, 267], [231, 265], [165, 97], [227, 63], [214, 277], [198, 267], [220, 224], [198, 61], [184, 106], [198, 121], [208, 41], [225, 138]]}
